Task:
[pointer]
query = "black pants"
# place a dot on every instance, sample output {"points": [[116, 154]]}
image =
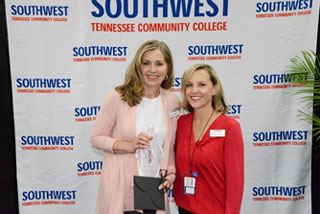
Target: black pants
{"points": [[183, 211], [144, 211], [149, 211]]}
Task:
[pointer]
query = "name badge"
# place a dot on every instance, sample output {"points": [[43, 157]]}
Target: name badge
{"points": [[217, 133], [173, 113], [189, 185]]}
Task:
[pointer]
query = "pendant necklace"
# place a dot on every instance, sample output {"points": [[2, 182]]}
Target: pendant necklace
{"points": [[191, 156], [205, 126]]}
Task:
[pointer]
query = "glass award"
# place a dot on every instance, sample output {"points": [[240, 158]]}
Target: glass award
{"points": [[150, 158]]}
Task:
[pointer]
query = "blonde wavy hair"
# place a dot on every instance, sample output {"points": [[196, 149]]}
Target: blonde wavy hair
{"points": [[218, 100], [131, 90]]}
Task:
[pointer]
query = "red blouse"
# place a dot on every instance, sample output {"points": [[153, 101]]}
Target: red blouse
{"points": [[218, 163]]}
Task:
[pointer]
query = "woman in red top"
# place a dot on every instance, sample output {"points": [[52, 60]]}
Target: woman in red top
{"points": [[209, 148]]}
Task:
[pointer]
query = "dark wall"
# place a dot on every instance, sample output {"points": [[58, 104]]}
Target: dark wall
{"points": [[8, 188], [316, 157]]}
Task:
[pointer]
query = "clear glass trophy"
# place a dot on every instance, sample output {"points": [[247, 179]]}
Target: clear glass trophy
{"points": [[150, 158]]}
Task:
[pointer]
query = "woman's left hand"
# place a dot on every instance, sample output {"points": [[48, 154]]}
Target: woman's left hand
{"points": [[168, 180]]}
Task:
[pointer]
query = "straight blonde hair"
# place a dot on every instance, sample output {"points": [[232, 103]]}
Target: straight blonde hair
{"points": [[218, 100]]}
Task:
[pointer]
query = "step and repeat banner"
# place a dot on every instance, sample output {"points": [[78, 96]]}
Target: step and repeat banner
{"points": [[67, 55]]}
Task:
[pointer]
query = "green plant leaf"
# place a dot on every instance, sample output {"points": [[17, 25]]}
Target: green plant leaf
{"points": [[307, 66]]}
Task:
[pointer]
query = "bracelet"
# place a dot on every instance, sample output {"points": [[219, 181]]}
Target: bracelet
{"points": [[171, 173]]}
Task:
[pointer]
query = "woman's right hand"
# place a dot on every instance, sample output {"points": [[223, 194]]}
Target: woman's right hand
{"points": [[141, 142]]}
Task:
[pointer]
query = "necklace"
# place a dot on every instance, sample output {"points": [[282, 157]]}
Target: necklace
{"points": [[205, 126], [191, 157]]}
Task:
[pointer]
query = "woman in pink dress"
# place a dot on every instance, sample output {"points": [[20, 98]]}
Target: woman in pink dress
{"points": [[133, 115]]}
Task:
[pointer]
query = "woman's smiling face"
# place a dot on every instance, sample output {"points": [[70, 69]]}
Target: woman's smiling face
{"points": [[153, 68], [199, 90]]}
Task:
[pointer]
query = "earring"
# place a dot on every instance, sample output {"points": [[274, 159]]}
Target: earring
{"points": [[166, 78]]}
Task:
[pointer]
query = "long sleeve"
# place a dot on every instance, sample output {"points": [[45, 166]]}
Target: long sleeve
{"points": [[170, 102], [171, 163], [101, 137], [234, 165], [117, 121], [174, 102]]}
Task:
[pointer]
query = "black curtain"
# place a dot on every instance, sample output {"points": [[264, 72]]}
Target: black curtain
{"points": [[315, 183], [8, 191]]}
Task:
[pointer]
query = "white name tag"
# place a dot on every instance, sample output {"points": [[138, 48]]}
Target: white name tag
{"points": [[189, 185], [189, 190], [173, 113], [217, 133]]}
